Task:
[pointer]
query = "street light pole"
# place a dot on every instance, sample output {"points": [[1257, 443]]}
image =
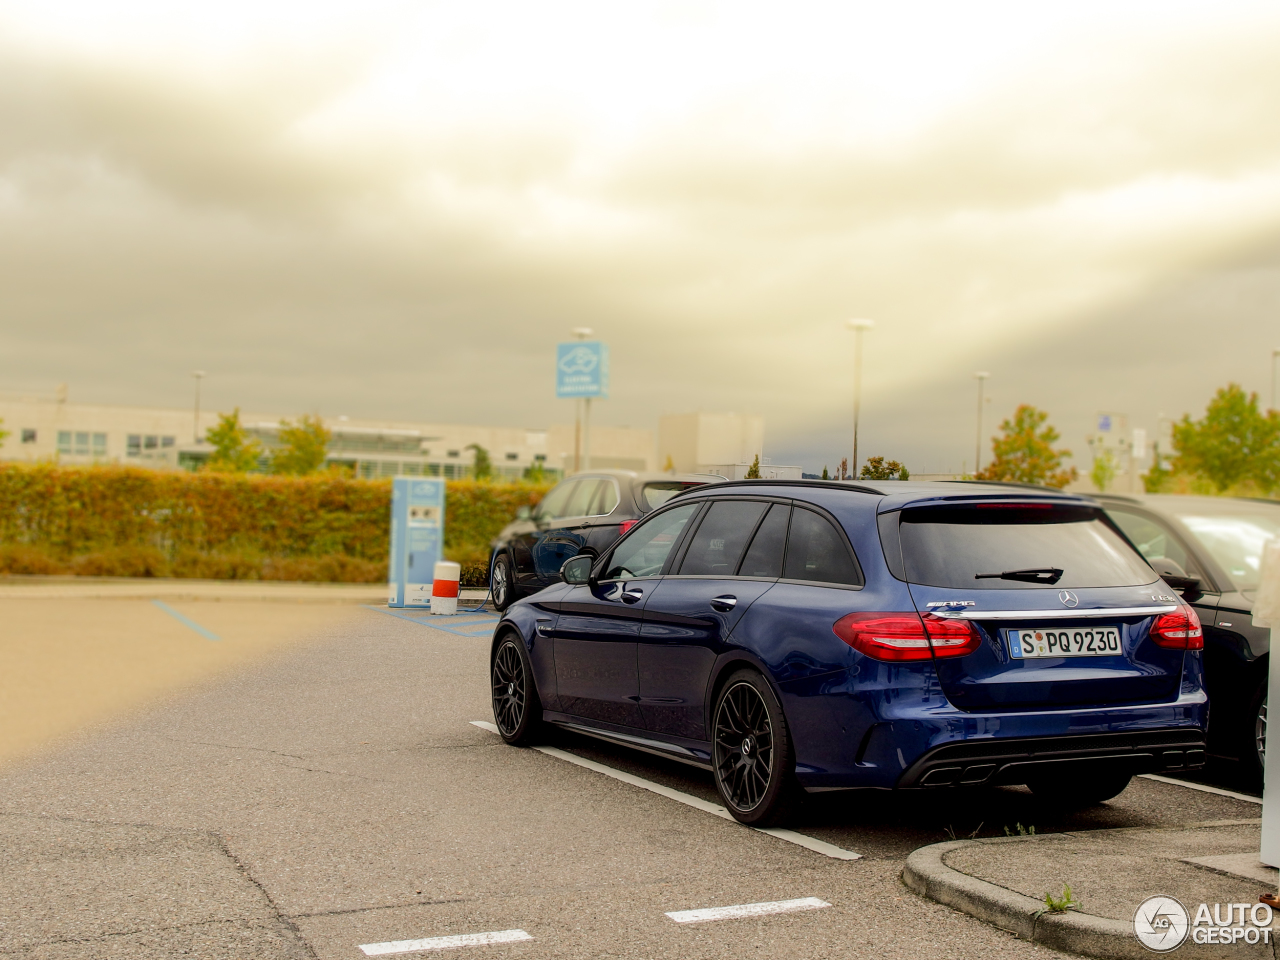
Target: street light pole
{"points": [[582, 424], [981, 377], [1274, 354], [857, 326], [199, 375]]}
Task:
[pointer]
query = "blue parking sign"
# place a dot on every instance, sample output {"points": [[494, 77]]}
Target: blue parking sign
{"points": [[582, 369]]}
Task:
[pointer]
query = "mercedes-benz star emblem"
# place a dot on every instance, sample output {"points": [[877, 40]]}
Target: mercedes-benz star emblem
{"points": [[1068, 598]]}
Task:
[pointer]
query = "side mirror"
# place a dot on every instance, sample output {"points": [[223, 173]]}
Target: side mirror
{"points": [[577, 570], [524, 513], [1172, 573]]}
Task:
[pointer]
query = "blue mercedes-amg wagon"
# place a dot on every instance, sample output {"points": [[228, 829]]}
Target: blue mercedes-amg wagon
{"points": [[813, 636]]}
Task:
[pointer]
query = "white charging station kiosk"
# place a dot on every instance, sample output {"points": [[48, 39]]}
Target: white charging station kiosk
{"points": [[417, 539], [1266, 613]]}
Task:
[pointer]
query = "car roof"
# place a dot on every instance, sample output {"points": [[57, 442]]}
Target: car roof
{"points": [[890, 495]]}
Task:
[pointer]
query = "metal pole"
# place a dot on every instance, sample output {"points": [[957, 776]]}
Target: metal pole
{"points": [[857, 326], [586, 433], [977, 453], [579, 333], [199, 375]]}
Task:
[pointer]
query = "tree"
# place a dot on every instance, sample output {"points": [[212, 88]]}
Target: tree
{"points": [[753, 471], [669, 466], [1233, 443], [535, 473], [1158, 477], [825, 475], [876, 469], [844, 470], [1025, 453], [234, 451], [482, 466], [1104, 470], [304, 444]]}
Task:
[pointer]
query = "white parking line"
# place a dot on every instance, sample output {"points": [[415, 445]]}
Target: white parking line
{"points": [[1202, 788], [799, 839], [443, 943], [747, 910]]}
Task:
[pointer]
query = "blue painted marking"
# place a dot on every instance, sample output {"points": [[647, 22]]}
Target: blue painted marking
{"points": [[185, 621], [469, 627]]}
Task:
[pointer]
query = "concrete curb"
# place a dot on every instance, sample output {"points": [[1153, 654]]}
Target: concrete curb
{"points": [[927, 874]]}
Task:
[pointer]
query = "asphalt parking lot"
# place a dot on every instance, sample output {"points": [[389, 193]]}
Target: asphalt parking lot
{"points": [[328, 794]]}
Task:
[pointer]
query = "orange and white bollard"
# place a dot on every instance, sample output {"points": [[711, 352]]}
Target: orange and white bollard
{"points": [[444, 588]]}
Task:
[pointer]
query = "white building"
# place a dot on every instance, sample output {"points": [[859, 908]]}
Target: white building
{"points": [[719, 443], [51, 428]]}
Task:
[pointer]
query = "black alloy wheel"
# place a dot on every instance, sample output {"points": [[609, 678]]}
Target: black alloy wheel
{"points": [[752, 759], [501, 584], [516, 708]]}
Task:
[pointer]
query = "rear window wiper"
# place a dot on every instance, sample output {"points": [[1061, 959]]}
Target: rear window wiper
{"points": [[1049, 575]]}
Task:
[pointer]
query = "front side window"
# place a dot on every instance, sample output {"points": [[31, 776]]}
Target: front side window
{"points": [[1236, 541], [720, 539], [1011, 546], [553, 504], [644, 551], [816, 551]]}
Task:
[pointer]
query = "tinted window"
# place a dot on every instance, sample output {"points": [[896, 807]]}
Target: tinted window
{"points": [[1153, 540], [764, 556], [580, 500], [656, 494], [643, 551], [552, 505], [954, 546], [816, 551], [721, 537]]}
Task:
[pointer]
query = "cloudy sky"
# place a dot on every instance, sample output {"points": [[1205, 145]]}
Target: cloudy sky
{"points": [[396, 209]]}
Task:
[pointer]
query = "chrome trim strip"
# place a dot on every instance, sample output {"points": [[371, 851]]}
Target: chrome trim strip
{"points": [[1063, 614]]}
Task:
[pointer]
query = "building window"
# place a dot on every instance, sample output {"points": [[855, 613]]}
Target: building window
{"points": [[64, 441], [167, 441], [28, 435], [513, 456], [99, 444], [539, 458], [453, 453], [150, 442], [133, 445]]}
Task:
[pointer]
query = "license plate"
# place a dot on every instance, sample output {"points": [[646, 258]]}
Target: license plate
{"points": [[1076, 642]]}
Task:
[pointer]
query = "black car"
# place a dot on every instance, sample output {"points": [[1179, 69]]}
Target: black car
{"points": [[1210, 548], [584, 513]]}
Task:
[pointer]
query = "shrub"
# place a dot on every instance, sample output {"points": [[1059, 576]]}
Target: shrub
{"points": [[131, 521]]}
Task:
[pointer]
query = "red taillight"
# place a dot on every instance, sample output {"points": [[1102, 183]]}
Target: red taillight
{"points": [[626, 525], [1179, 630], [902, 636]]}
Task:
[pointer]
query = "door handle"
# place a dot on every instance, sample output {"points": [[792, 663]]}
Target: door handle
{"points": [[723, 604], [634, 595]]}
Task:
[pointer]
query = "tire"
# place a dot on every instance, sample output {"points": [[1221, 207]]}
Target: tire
{"points": [[753, 759], [502, 589], [517, 711], [1080, 788], [1255, 748]]}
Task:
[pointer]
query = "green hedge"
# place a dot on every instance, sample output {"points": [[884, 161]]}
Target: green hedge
{"points": [[130, 521]]}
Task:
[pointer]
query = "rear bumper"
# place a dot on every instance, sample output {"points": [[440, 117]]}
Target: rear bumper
{"points": [[1001, 761]]}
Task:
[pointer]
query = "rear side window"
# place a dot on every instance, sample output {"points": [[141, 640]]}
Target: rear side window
{"points": [[654, 495], [1153, 540], [999, 546], [721, 537], [816, 551], [644, 551], [608, 499], [764, 556]]}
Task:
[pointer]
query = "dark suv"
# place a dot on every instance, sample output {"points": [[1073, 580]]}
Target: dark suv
{"points": [[585, 513], [798, 636]]}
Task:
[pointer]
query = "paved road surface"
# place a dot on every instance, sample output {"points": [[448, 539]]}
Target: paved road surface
{"points": [[337, 794]]}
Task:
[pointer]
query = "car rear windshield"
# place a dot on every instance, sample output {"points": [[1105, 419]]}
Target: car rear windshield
{"points": [[1017, 546], [659, 492]]}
